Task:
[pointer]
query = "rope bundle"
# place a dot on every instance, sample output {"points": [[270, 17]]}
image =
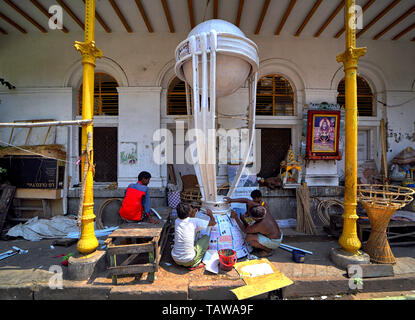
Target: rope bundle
{"points": [[323, 209]]}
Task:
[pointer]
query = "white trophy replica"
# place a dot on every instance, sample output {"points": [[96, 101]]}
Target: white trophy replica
{"points": [[215, 61]]}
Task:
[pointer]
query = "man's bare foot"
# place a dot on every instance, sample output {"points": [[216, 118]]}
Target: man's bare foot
{"points": [[263, 253], [201, 265]]}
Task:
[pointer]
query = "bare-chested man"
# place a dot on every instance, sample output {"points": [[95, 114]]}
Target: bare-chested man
{"points": [[256, 196], [264, 233]]}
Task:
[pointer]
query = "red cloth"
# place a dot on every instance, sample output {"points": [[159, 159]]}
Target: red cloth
{"points": [[132, 207]]}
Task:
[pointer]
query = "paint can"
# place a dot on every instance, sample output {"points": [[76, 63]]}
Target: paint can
{"points": [[298, 256]]}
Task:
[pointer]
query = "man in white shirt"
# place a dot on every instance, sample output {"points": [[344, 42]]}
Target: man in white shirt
{"points": [[186, 252]]}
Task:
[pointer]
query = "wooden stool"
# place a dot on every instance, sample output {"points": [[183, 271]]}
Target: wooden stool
{"points": [[153, 238]]}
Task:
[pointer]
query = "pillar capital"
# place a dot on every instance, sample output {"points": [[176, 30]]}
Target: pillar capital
{"points": [[351, 57], [88, 51]]}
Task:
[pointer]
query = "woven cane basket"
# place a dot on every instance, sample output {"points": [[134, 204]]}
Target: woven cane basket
{"points": [[380, 203]]}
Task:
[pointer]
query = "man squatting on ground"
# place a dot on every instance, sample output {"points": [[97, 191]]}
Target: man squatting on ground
{"points": [[185, 251], [136, 204], [263, 232]]}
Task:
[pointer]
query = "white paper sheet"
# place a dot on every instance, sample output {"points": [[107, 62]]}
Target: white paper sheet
{"points": [[211, 261], [256, 270]]}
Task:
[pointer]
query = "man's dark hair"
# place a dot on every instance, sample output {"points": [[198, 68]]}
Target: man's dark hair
{"points": [[144, 175], [183, 210], [258, 212], [256, 194]]}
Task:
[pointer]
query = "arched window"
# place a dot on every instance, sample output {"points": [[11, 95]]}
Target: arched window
{"points": [[176, 98], [105, 96], [275, 96], [364, 97]]}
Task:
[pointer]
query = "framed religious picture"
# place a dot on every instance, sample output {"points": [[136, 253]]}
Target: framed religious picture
{"points": [[323, 131]]}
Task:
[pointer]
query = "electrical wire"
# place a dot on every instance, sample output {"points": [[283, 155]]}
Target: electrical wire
{"points": [[397, 105]]}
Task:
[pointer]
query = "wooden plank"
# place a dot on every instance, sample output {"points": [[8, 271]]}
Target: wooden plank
{"points": [[129, 260], [285, 17], [329, 19], [46, 13], [167, 14], [403, 32], [136, 232], [131, 269], [6, 199], [239, 14], [71, 13], [14, 24], [261, 18], [47, 208], [26, 16], [215, 9], [191, 14], [150, 276], [64, 242], [120, 16], [113, 265], [51, 194], [144, 15], [28, 208], [130, 248], [371, 270], [44, 123], [364, 8], [308, 17], [393, 24], [155, 254], [378, 17]]}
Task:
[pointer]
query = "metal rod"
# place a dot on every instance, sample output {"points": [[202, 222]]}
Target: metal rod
{"points": [[285, 246]]}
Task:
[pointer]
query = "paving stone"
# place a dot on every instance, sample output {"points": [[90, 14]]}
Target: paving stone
{"points": [[23, 292], [219, 290], [72, 291], [137, 292], [371, 270]]}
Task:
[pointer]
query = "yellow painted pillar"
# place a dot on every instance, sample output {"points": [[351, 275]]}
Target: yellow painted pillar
{"points": [[88, 241], [349, 240]]}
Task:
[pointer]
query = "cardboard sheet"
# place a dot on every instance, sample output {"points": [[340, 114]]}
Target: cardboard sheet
{"points": [[260, 276]]}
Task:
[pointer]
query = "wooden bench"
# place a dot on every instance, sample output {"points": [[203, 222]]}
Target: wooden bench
{"points": [[147, 238]]}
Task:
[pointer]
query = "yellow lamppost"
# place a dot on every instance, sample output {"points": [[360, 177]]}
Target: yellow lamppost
{"points": [[349, 240], [88, 241]]}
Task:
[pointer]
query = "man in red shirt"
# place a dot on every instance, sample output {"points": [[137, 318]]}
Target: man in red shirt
{"points": [[136, 204]]}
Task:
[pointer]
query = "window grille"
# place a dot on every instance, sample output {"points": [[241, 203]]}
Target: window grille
{"points": [[364, 97], [275, 96], [176, 98], [105, 96]]}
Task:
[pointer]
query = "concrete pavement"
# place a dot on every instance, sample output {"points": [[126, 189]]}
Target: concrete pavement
{"points": [[29, 277]]}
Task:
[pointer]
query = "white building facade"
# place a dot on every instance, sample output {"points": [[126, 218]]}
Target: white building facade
{"points": [[47, 73]]}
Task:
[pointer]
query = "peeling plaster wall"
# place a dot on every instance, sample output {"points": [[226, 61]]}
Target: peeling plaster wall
{"points": [[400, 122]]}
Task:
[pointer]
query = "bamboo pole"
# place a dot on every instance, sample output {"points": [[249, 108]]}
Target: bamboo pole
{"points": [[47, 124], [384, 161]]}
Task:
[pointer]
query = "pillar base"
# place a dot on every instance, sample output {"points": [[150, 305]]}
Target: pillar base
{"points": [[81, 267], [342, 258]]}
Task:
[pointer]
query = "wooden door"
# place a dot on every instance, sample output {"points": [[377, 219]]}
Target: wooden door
{"points": [[275, 143]]}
